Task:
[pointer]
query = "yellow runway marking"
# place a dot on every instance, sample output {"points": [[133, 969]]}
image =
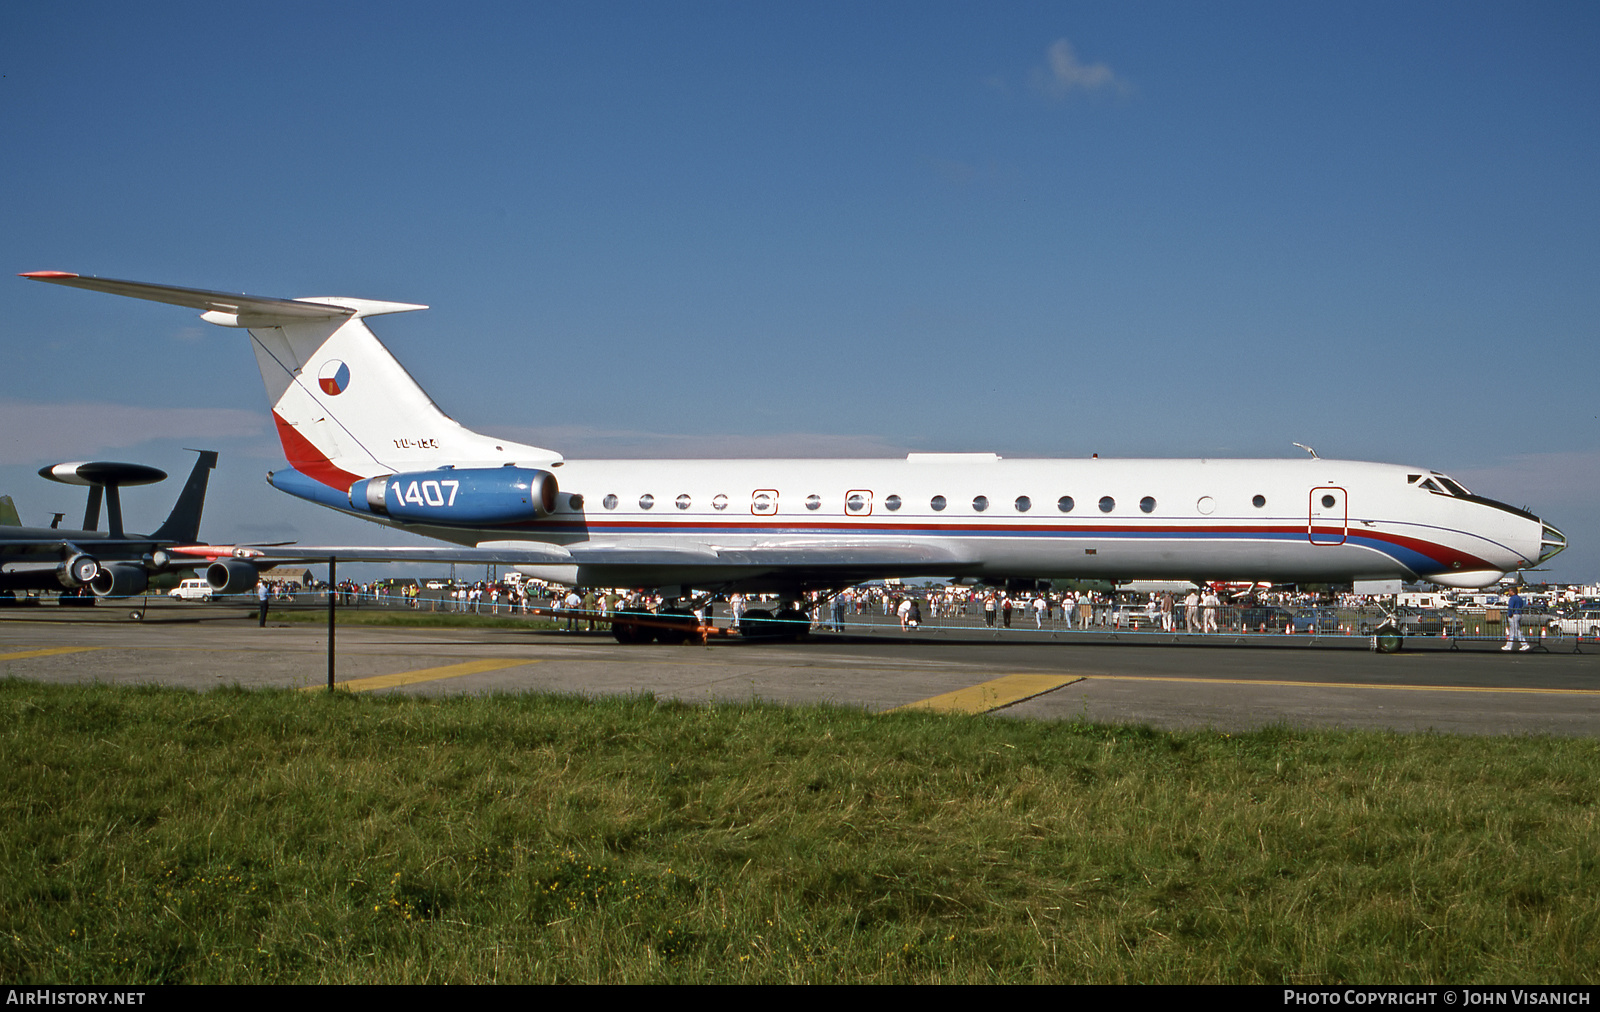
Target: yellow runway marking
{"points": [[425, 675], [1344, 685], [46, 652], [991, 695]]}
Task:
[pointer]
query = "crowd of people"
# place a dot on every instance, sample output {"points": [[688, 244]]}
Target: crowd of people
{"points": [[1183, 609]]}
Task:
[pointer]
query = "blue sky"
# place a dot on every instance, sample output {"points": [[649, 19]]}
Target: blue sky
{"points": [[1043, 229]]}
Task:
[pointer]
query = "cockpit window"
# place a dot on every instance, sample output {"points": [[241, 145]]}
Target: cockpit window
{"points": [[1439, 484]]}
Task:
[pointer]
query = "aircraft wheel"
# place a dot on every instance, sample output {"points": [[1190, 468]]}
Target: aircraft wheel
{"points": [[757, 623], [632, 633], [1387, 640], [792, 622], [680, 625]]}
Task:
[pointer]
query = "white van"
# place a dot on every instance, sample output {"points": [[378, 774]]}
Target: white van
{"points": [[191, 590]]}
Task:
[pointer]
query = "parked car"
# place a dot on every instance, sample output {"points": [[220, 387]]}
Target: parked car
{"points": [[1430, 622], [1265, 618], [1318, 619], [1584, 622], [191, 590]]}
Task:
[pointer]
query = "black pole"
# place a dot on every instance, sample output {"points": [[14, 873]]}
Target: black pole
{"points": [[333, 594]]}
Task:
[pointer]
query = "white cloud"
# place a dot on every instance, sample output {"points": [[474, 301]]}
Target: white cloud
{"points": [[41, 433], [1066, 73]]}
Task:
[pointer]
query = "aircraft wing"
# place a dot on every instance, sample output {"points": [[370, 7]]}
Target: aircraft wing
{"points": [[628, 564], [525, 554], [876, 553]]}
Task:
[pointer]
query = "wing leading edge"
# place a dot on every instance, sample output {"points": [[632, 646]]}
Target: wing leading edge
{"points": [[625, 565]]}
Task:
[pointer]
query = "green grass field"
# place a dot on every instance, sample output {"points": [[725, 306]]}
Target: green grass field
{"points": [[156, 835]]}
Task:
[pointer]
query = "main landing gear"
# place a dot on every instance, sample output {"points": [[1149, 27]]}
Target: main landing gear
{"points": [[675, 623], [787, 623]]}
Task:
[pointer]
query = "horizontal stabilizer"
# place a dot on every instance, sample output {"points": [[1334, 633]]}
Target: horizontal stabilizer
{"points": [[226, 308]]}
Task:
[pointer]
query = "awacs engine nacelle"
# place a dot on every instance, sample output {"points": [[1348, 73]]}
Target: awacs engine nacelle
{"points": [[231, 576], [120, 579], [465, 497]]}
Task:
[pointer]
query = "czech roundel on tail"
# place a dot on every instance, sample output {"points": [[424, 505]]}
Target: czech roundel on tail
{"points": [[361, 437]]}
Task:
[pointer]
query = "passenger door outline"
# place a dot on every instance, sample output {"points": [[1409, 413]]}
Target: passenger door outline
{"points": [[1328, 523]]}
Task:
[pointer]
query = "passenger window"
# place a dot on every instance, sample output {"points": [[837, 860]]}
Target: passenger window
{"points": [[646, 501], [937, 502], [1024, 504], [1258, 501], [1107, 504], [575, 502], [1065, 504], [1147, 504], [813, 502], [764, 502], [720, 502], [893, 502], [980, 503], [682, 501], [610, 501]]}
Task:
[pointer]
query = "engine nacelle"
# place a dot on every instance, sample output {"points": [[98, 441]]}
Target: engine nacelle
{"points": [[465, 497], [231, 576], [120, 579], [77, 571]]}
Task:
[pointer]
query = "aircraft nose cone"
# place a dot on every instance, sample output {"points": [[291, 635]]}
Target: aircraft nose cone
{"points": [[1551, 542]]}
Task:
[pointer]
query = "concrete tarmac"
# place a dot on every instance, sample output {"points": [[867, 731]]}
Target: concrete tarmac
{"points": [[1168, 683]]}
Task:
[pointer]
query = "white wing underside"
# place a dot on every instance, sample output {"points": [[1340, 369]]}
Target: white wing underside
{"points": [[847, 555]]}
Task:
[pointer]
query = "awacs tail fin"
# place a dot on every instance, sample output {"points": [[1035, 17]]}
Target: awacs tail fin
{"points": [[345, 409], [183, 523], [8, 513]]}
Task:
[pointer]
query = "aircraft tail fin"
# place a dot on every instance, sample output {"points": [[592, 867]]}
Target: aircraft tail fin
{"points": [[344, 407], [183, 523], [8, 513]]}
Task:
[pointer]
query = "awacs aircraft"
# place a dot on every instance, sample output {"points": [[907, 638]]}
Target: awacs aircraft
{"points": [[363, 438], [111, 563]]}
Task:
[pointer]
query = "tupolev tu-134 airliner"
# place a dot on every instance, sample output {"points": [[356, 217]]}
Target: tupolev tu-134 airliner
{"points": [[363, 438]]}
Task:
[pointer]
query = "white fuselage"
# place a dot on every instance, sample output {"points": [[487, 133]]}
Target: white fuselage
{"points": [[1182, 519]]}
